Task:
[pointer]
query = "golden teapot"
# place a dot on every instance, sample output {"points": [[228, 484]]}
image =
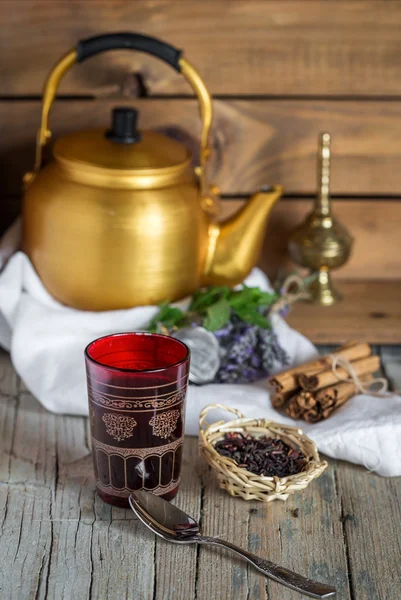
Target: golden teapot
{"points": [[119, 218]]}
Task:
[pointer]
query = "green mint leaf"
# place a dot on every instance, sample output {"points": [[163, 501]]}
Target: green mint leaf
{"points": [[242, 297], [217, 315], [266, 298], [156, 319], [202, 299], [251, 297], [237, 299], [252, 316], [169, 316]]}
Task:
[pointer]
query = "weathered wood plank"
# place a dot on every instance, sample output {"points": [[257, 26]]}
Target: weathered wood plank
{"points": [[123, 559], [25, 541], [371, 515], [255, 141], [26, 476], [252, 47], [72, 513], [33, 457], [272, 530], [94, 553], [8, 377], [300, 542], [369, 311], [59, 540], [57, 537], [220, 575], [176, 566], [8, 412], [375, 226]]}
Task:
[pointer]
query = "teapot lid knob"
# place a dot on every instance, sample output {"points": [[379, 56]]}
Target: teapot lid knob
{"points": [[123, 127]]}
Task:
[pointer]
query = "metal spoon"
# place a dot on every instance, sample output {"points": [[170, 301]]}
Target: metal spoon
{"points": [[173, 525]]}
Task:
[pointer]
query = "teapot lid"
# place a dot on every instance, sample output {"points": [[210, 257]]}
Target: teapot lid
{"points": [[123, 155]]}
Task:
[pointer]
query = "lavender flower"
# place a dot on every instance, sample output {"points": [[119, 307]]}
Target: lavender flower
{"points": [[249, 352]]}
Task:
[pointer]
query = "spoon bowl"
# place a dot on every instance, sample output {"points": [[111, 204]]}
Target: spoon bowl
{"points": [[163, 518]]}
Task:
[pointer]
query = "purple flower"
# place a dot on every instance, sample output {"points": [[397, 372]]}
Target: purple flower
{"points": [[249, 352]]}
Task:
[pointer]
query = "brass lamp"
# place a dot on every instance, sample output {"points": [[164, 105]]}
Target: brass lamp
{"points": [[321, 243]]}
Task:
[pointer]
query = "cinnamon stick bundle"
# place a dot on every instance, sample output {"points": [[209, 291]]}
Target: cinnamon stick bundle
{"points": [[280, 399], [294, 409], [314, 407], [311, 383], [300, 404], [289, 380], [313, 391]]}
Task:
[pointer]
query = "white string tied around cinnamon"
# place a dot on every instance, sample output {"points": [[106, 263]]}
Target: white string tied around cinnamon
{"points": [[339, 362]]}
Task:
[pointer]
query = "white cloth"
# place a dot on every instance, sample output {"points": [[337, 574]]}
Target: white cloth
{"points": [[46, 341]]}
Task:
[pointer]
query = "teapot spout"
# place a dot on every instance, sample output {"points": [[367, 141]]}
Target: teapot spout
{"points": [[235, 244]]}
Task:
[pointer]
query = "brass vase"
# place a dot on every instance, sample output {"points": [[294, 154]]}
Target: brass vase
{"points": [[321, 243]]}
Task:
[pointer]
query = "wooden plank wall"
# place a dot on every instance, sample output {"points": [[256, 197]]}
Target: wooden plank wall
{"points": [[279, 72]]}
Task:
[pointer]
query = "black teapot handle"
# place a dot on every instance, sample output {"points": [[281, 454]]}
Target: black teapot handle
{"points": [[129, 41], [120, 41]]}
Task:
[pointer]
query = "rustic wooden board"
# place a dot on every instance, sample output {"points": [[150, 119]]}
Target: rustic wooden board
{"points": [[301, 541], [253, 47], [375, 226], [369, 311], [175, 566], [218, 573], [378, 579], [255, 142], [28, 471], [59, 540], [9, 382]]}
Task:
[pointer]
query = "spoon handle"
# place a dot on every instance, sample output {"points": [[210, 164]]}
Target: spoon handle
{"points": [[292, 580]]}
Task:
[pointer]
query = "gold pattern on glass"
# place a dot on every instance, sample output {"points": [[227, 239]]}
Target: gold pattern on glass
{"points": [[111, 402], [165, 423], [150, 387], [141, 453], [120, 427], [137, 452], [125, 492]]}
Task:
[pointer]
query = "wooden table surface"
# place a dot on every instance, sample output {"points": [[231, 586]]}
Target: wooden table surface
{"points": [[60, 541]]}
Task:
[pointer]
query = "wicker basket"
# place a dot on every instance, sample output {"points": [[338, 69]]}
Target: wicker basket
{"points": [[241, 482]]}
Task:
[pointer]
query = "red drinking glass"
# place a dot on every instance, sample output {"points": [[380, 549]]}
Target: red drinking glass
{"points": [[137, 384]]}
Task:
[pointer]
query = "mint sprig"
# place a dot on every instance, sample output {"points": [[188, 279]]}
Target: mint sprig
{"points": [[168, 316], [217, 315], [212, 308]]}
